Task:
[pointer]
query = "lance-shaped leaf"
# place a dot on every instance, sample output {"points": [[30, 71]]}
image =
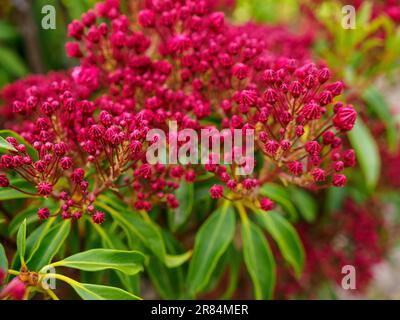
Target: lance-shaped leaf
{"points": [[128, 262], [211, 242], [286, 237], [259, 260]]}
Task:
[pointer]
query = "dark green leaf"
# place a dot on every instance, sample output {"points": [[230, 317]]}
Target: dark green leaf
{"points": [[211, 242], [50, 245], [178, 217], [367, 153], [280, 195], [128, 262], [286, 237], [259, 260], [21, 240]]}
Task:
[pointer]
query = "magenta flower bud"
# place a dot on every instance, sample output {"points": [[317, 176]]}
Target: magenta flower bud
{"points": [[18, 107], [16, 289], [216, 191], [267, 204], [76, 215], [313, 147], [240, 71], [299, 131], [345, 119], [271, 147], [295, 168], [328, 137], [325, 98], [145, 171], [318, 174], [339, 180], [231, 184], [270, 96], [338, 166], [43, 213], [336, 88], [27, 160], [311, 111], [285, 145], [296, 89], [146, 18], [98, 217], [217, 19], [269, 76], [65, 215], [44, 188], [90, 209], [89, 18], [7, 161], [78, 175], [65, 163], [180, 43], [248, 184], [190, 176], [40, 166], [323, 75], [75, 29], [349, 158], [73, 50], [4, 182]]}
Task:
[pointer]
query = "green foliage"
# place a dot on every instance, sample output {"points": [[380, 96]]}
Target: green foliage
{"points": [[259, 260], [211, 241]]}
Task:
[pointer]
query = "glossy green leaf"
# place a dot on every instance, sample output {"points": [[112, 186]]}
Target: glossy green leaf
{"points": [[98, 292], [3, 259], [128, 262], [259, 260], [281, 196], [29, 149], [21, 240], [211, 242], [12, 63], [10, 194], [178, 217], [378, 106], [50, 245], [305, 203], [367, 153], [147, 232], [5, 146], [286, 237]]}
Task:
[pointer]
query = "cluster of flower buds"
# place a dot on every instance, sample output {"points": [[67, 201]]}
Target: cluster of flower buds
{"points": [[179, 61]]}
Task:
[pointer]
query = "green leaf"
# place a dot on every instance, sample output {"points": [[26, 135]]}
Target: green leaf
{"points": [[9, 193], [173, 261], [29, 148], [5, 146], [98, 292], [259, 260], [378, 106], [29, 214], [21, 241], [211, 242], [367, 153], [286, 237], [146, 231], [3, 259], [280, 195], [128, 262], [12, 63], [305, 203], [178, 217], [50, 245]]}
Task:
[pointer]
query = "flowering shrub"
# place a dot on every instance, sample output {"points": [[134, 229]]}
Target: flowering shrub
{"points": [[75, 148]]}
